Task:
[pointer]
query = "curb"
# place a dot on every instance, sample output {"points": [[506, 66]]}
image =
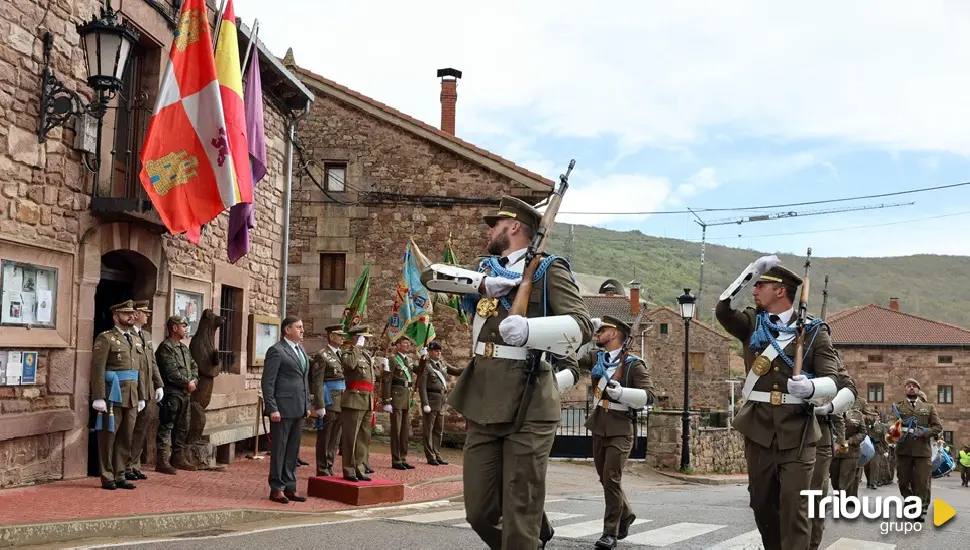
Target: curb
{"points": [[67, 531], [699, 480]]}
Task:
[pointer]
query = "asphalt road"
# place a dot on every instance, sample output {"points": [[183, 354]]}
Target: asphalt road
{"points": [[668, 516]]}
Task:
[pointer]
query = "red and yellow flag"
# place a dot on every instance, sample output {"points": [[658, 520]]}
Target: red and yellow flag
{"points": [[230, 86], [187, 164]]}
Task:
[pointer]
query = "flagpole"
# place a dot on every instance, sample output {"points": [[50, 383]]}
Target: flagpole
{"points": [[215, 35], [252, 39]]}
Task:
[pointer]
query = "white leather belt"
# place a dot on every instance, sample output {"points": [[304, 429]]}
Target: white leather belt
{"points": [[775, 398], [609, 405], [488, 349]]}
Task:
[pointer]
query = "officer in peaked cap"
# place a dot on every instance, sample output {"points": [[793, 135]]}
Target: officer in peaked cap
{"points": [[511, 208], [356, 403], [328, 383], [780, 433], [433, 389], [151, 379], [117, 394]]}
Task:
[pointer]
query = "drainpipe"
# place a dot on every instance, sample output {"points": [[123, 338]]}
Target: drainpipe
{"points": [[287, 192]]}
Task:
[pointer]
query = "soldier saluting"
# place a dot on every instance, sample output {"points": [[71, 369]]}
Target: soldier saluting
{"points": [[914, 456], [433, 387], [328, 388], [117, 394], [780, 432], [356, 403], [490, 393], [618, 389]]}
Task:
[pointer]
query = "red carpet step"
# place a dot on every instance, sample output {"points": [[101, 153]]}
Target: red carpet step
{"points": [[358, 493]]}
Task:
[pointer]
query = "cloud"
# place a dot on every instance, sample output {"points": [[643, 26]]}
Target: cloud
{"points": [[611, 193], [651, 73], [698, 183]]}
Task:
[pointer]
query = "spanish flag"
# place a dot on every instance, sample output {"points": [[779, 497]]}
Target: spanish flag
{"points": [[187, 165]]}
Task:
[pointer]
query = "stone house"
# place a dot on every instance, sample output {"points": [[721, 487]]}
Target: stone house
{"points": [[883, 346], [374, 178], [73, 241]]}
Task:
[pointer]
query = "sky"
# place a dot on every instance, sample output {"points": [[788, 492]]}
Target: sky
{"points": [[667, 106]]}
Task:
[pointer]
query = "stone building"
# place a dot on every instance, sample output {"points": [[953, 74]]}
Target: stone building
{"points": [[73, 242], [883, 346]]}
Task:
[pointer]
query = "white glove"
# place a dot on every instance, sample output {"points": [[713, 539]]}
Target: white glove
{"points": [[801, 387], [499, 286], [825, 409], [597, 323], [886, 454], [387, 366], [159, 394], [388, 408], [614, 390], [426, 409], [424, 352], [360, 341], [141, 406], [514, 330], [321, 413], [764, 263], [100, 405]]}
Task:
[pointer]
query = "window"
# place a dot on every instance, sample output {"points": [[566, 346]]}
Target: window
{"points": [[948, 437], [29, 294], [944, 395], [229, 333], [334, 176], [875, 358], [332, 270], [697, 360], [944, 359], [132, 112], [875, 393], [663, 329]]}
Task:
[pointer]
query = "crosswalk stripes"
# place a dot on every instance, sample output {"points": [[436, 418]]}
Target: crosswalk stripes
{"points": [[675, 533]]}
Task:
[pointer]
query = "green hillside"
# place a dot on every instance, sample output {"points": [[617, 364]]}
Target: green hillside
{"points": [[937, 287]]}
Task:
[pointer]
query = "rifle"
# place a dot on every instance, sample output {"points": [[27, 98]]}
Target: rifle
{"points": [[520, 305], [825, 298], [800, 345], [624, 353]]}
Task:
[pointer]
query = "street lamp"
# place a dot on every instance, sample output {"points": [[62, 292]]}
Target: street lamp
{"points": [[107, 44], [687, 305]]}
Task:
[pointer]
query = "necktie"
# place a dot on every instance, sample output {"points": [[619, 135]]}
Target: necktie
{"points": [[503, 261], [128, 337], [299, 353], [774, 320]]}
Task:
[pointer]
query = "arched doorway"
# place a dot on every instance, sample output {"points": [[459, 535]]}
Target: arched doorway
{"points": [[125, 275]]}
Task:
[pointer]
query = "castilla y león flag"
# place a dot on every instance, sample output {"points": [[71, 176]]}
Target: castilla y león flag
{"points": [[187, 161]]}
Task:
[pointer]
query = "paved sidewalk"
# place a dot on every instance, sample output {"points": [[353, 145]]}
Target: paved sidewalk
{"points": [[242, 485]]}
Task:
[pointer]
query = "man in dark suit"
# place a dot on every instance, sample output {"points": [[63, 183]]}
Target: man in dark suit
{"points": [[285, 386]]}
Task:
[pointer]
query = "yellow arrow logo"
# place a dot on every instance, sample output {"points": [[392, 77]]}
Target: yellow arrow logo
{"points": [[942, 512]]}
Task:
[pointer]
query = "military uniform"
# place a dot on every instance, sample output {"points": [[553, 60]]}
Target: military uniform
{"points": [[612, 425], [433, 387], [355, 405], [328, 389], [178, 369], [845, 464], [781, 433], [115, 384], [505, 465], [151, 378], [397, 391], [914, 463]]}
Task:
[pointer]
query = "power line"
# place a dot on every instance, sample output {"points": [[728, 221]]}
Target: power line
{"points": [[693, 210], [841, 228]]}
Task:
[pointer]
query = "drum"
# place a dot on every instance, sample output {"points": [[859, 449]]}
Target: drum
{"points": [[868, 451], [942, 464]]}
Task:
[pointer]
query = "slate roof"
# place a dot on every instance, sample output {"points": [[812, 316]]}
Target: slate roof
{"points": [[874, 325]]}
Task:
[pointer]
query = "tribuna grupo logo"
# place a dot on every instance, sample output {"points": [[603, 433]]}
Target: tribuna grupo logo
{"points": [[897, 514]]}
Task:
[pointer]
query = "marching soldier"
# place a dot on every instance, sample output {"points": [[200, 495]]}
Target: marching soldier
{"points": [[181, 377], [328, 388], [433, 387], [780, 432], [356, 403], [505, 496], [117, 394], [876, 473], [398, 381], [914, 462], [845, 464], [619, 391], [151, 378]]}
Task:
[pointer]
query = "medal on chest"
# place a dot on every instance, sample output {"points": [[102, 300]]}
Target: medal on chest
{"points": [[487, 307]]}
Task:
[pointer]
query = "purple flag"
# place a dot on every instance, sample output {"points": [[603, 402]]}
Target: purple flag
{"points": [[242, 216]]}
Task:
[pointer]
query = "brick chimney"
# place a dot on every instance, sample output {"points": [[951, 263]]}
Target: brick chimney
{"points": [[449, 98], [634, 297], [894, 304]]}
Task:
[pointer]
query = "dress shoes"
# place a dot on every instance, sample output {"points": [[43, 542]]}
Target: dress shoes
{"points": [[301, 462], [108, 485], [408, 466], [625, 524], [294, 497], [433, 462], [124, 484], [279, 497], [362, 478], [368, 470], [399, 467], [355, 479], [442, 461], [606, 541]]}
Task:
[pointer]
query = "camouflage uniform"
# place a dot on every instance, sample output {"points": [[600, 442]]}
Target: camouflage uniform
{"points": [[178, 369]]}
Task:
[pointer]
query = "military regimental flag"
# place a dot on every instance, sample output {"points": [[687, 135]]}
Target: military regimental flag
{"points": [[411, 314], [356, 309], [187, 163], [453, 301]]}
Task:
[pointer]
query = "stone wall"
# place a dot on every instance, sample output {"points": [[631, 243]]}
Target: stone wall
{"points": [[712, 450], [892, 365]]}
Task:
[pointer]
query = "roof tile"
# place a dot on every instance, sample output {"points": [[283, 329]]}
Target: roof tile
{"points": [[877, 325]]}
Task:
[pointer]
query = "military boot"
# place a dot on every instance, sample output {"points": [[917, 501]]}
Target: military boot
{"points": [[162, 465], [178, 461]]}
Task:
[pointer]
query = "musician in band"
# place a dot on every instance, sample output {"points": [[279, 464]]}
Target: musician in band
{"points": [[777, 418], [918, 425]]}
